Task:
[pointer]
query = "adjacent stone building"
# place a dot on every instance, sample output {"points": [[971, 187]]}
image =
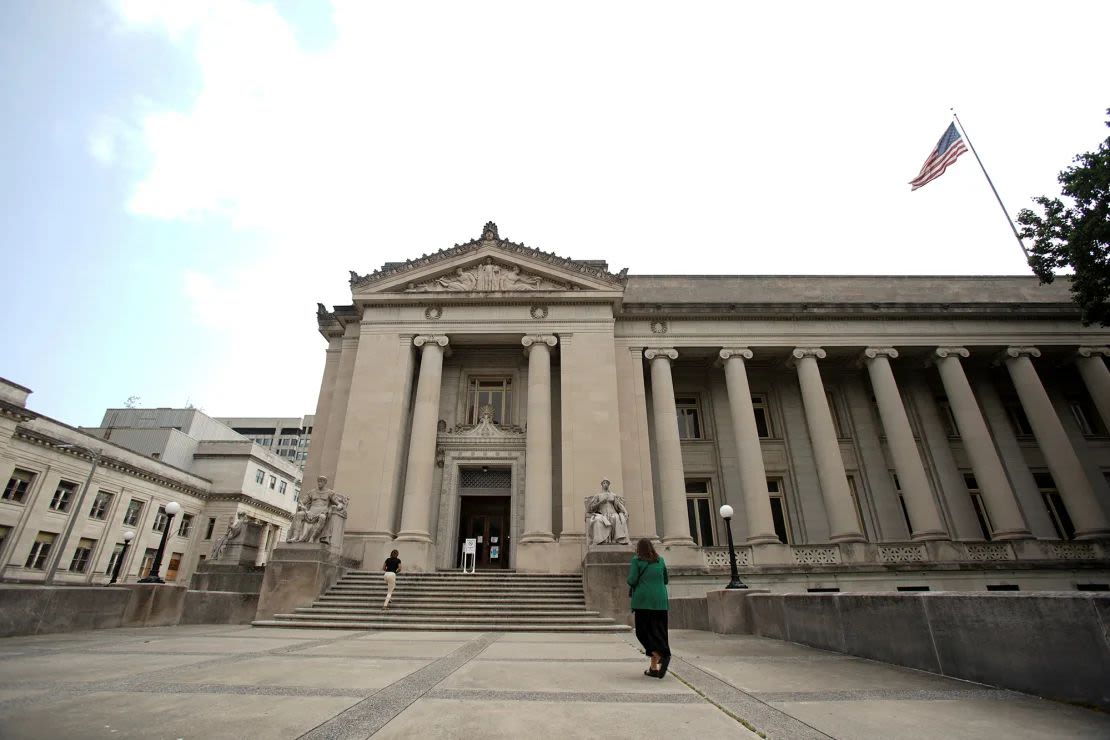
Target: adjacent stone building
{"points": [[139, 460], [868, 431], [286, 437]]}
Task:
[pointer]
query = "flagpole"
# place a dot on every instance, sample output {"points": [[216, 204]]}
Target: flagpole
{"points": [[993, 189]]}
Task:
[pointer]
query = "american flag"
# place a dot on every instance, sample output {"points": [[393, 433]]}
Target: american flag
{"points": [[950, 146]]}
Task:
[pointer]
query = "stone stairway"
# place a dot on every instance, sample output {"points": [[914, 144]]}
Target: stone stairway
{"points": [[487, 601]]}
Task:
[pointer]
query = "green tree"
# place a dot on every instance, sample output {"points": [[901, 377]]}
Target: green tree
{"points": [[1076, 234]]}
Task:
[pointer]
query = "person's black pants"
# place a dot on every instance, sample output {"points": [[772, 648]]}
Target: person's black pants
{"points": [[651, 631]]}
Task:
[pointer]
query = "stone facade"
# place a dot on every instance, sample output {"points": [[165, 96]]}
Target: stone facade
{"points": [[851, 422]]}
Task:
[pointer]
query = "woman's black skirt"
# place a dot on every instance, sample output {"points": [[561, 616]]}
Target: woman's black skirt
{"points": [[651, 630]]}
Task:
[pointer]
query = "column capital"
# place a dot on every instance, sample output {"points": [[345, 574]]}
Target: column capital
{"points": [[655, 352], [729, 353], [422, 339], [872, 352], [1012, 353], [532, 339], [1093, 351], [943, 352], [800, 353]]}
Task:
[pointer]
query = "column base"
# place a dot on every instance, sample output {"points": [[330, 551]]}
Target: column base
{"points": [[929, 536], [537, 557], [417, 556], [678, 542], [413, 535], [682, 553], [530, 537], [1012, 534], [763, 539], [847, 537], [369, 549]]}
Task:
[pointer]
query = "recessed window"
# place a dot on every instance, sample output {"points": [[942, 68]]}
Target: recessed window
{"points": [[978, 505], [63, 496], [823, 590], [186, 526], [947, 418], [160, 519], [1054, 502], [81, 555], [1092, 587], [134, 510], [689, 417], [1003, 587], [40, 550], [901, 500], [699, 509], [281, 487], [4, 532], [117, 553], [912, 588], [1018, 420], [174, 566], [260, 476], [211, 526], [858, 507], [100, 505], [273, 482], [834, 410], [778, 510], [762, 415], [148, 562], [17, 486], [493, 392]]}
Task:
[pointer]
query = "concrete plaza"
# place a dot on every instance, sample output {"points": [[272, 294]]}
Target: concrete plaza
{"points": [[209, 681]]}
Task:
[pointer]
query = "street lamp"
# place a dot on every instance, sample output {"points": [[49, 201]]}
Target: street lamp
{"points": [[726, 514], [127, 537], [75, 511], [171, 509]]}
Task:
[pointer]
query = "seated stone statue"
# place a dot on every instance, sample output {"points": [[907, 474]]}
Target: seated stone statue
{"points": [[319, 515], [606, 518], [234, 530]]}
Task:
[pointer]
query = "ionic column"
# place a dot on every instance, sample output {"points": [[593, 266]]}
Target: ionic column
{"points": [[1086, 514], [753, 476], [999, 497], [537, 474], [925, 518], [1097, 378], [417, 502], [844, 525], [676, 522]]}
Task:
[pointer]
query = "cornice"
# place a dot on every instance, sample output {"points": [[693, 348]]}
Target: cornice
{"points": [[843, 311], [489, 238], [19, 413], [243, 498]]}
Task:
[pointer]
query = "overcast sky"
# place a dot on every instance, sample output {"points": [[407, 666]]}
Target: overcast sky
{"points": [[183, 181]]}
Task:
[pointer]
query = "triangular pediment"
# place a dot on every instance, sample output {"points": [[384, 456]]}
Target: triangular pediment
{"points": [[488, 265]]}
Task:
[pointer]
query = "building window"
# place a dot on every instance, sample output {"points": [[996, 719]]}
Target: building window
{"points": [[762, 416], [186, 526], [148, 562], [81, 555], [273, 482], [211, 526], [63, 496], [901, 501], [495, 392], [778, 510], [1018, 419], [856, 503], [40, 550], [834, 410], [947, 418], [1065, 530], [100, 506], [160, 519], [282, 487], [116, 554], [1086, 417], [17, 486], [4, 532], [689, 417], [260, 476], [134, 510], [699, 507], [978, 505], [173, 567]]}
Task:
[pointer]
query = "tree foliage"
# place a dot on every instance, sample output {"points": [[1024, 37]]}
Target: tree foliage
{"points": [[1076, 234]]}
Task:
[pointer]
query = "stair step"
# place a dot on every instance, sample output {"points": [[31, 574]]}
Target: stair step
{"points": [[420, 626], [450, 619], [447, 605], [448, 612]]}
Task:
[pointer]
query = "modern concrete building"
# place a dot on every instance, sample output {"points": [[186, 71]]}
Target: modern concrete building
{"points": [[869, 432], [70, 494], [286, 437]]}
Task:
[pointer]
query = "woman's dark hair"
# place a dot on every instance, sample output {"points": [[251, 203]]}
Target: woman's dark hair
{"points": [[393, 554], [645, 551]]}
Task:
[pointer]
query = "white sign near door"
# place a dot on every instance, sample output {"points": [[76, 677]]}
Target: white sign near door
{"points": [[470, 546]]}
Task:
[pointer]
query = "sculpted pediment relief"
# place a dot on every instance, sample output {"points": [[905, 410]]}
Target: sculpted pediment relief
{"points": [[487, 276]]}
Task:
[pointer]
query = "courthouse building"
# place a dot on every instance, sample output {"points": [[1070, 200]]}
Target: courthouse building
{"points": [[941, 432]]}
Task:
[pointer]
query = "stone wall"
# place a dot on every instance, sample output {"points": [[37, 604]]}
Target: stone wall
{"points": [[1055, 645]]}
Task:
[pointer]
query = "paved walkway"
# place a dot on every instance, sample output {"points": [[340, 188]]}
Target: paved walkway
{"points": [[241, 682]]}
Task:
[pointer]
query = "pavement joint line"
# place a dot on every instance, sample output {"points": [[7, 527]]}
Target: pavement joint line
{"points": [[558, 660], [623, 697], [779, 697], [376, 711], [745, 708]]}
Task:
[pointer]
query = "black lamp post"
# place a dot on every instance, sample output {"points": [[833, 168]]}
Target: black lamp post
{"points": [[726, 514], [127, 537], [171, 509]]}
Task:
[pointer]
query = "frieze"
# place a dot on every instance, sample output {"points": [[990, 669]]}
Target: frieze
{"points": [[489, 238], [488, 277]]}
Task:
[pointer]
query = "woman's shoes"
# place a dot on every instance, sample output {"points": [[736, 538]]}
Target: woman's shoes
{"points": [[653, 674], [664, 662]]}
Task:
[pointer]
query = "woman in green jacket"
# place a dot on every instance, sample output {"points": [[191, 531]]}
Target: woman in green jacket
{"points": [[648, 578]]}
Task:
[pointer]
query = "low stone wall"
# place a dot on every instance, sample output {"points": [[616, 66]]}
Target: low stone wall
{"points": [[1055, 645], [688, 613], [219, 607]]}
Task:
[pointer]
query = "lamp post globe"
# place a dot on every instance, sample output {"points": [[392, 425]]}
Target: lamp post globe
{"points": [[171, 510], [726, 514], [127, 537]]}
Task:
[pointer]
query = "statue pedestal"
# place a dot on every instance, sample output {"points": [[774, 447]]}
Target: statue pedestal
{"points": [[243, 550], [296, 574]]}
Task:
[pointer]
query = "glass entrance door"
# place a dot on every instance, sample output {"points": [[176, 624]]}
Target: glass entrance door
{"points": [[486, 519]]}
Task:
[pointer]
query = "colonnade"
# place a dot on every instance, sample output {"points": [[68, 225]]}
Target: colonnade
{"points": [[924, 515]]}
